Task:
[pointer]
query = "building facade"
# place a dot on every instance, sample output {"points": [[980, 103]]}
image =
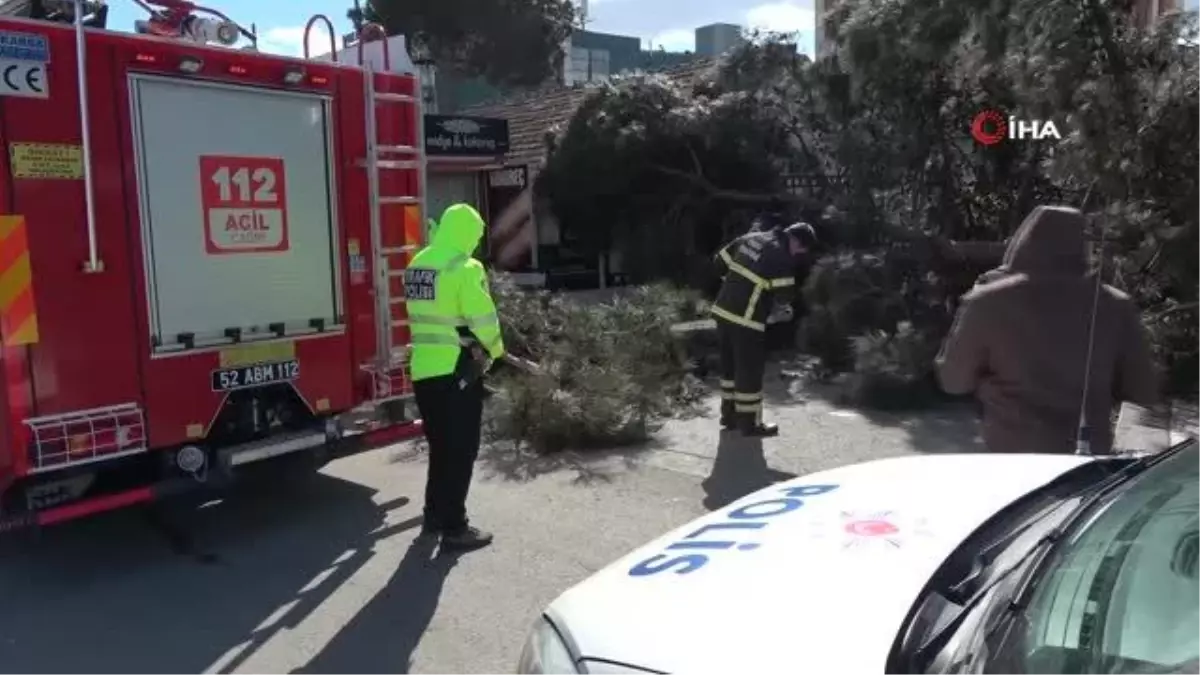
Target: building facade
{"points": [[716, 39], [823, 38], [1147, 11], [460, 152], [592, 57]]}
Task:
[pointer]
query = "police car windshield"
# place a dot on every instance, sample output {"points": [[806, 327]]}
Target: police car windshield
{"points": [[1120, 594], [993, 573], [1071, 596]]}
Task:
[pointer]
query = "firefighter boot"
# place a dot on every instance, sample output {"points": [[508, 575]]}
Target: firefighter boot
{"points": [[751, 425], [728, 415]]}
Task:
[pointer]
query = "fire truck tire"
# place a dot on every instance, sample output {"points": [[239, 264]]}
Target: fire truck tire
{"points": [[395, 412]]}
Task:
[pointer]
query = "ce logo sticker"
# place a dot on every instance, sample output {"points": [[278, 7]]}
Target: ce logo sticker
{"points": [[30, 81]]}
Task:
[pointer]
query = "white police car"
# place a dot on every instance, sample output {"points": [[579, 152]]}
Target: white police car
{"points": [[953, 563]]}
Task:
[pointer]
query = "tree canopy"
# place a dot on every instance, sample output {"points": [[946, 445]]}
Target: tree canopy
{"points": [[507, 42], [873, 145]]}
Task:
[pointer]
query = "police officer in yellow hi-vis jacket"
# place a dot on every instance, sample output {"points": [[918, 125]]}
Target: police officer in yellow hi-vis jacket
{"points": [[455, 340]]}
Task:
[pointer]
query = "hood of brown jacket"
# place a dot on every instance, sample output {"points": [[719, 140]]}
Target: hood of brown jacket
{"points": [[1051, 240]]}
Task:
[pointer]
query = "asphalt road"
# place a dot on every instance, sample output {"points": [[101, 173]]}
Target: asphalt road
{"points": [[320, 574]]}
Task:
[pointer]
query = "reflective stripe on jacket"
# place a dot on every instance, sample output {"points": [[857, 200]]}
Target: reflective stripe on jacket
{"points": [[756, 265], [446, 293]]}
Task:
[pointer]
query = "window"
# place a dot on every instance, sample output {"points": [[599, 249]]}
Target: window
{"points": [[1122, 595], [446, 189]]}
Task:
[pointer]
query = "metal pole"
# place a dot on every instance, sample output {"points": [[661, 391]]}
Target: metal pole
{"points": [[93, 264]]}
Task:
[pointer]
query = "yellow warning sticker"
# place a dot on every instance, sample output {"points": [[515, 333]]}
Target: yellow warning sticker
{"points": [[46, 160], [352, 246], [257, 352]]}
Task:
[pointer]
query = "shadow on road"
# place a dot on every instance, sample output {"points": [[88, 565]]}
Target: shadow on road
{"points": [[947, 427], [511, 461], [113, 594], [739, 469], [953, 428], [382, 637]]}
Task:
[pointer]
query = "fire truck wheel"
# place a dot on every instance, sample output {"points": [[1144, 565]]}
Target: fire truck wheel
{"points": [[395, 412]]}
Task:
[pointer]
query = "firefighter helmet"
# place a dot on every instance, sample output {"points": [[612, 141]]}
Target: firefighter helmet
{"points": [[803, 233]]}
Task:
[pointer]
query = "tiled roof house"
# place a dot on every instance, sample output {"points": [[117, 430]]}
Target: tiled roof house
{"points": [[530, 116]]}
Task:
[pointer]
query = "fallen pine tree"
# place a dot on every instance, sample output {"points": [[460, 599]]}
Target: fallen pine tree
{"points": [[609, 373]]}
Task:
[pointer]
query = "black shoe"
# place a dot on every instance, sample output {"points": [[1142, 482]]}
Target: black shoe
{"points": [[470, 539], [760, 430]]}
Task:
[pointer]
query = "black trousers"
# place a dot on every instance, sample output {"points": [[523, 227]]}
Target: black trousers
{"points": [[452, 413], [743, 360]]}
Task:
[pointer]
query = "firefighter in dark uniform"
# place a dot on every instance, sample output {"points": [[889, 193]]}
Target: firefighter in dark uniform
{"points": [[756, 267]]}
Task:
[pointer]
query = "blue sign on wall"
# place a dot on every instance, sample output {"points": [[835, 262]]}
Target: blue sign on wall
{"points": [[24, 47]]}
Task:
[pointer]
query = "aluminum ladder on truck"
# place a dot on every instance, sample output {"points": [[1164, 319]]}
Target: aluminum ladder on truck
{"points": [[391, 246]]}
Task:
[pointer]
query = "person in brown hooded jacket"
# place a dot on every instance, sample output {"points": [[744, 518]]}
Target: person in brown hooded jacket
{"points": [[1020, 342]]}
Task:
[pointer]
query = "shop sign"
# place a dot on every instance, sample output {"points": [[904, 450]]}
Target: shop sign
{"points": [[458, 136]]}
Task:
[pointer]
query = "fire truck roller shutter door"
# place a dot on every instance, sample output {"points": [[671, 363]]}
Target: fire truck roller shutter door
{"points": [[238, 218]]}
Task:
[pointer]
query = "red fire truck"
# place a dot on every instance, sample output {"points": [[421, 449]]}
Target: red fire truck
{"points": [[200, 256]]}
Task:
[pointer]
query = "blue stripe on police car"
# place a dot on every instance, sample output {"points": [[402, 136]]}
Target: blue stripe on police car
{"points": [[740, 521]]}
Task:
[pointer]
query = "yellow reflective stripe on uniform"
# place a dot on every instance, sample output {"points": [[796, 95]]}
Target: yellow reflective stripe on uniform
{"points": [[724, 254], [728, 384], [752, 303], [434, 339], [455, 321], [734, 318], [481, 320], [748, 398], [434, 320], [783, 282], [742, 270], [748, 407]]}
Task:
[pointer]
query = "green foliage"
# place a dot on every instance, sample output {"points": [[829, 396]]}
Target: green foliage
{"points": [[507, 42], [612, 371], [875, 139], [880, 314], [891, 370]]}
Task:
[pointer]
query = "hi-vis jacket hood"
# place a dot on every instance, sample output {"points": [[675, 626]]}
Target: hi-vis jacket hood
{"points": [[1049, 241], [460, 229]]}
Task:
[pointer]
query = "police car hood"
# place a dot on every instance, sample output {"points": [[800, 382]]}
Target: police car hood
{"points": [[815, 574]]}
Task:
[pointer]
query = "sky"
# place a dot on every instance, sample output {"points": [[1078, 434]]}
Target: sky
{"points": [[660, 23]]}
